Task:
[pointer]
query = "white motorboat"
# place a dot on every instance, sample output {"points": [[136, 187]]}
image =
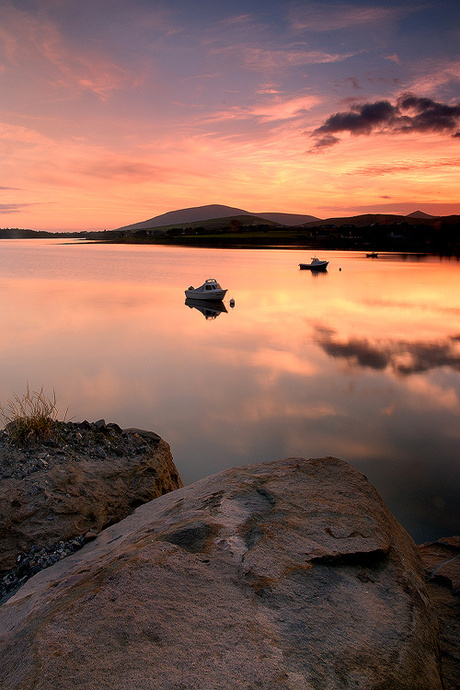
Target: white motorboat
{"points": [[210, 290], [315, 265]]}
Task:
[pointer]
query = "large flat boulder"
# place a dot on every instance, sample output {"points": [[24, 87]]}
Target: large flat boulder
{"points": [[291, 574], [441, 560]]}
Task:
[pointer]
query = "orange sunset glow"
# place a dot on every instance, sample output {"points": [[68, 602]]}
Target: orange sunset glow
{"points": [[113, 112]]}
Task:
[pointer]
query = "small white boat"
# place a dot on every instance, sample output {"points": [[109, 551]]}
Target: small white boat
{"points": [[210, 290], [372, 255], [316, 264]]}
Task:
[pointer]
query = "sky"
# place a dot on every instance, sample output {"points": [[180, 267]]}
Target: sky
{"points": [[116, 111]]}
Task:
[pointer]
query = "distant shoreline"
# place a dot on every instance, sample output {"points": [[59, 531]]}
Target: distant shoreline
{"points": [[438, 236], [314, 247], [291, 241]]}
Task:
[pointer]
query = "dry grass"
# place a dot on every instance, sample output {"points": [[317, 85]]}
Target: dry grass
{"points": [[30, 418]]}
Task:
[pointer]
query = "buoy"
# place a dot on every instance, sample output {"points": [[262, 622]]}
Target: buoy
{"points": [[232, 302], [340, 269]]}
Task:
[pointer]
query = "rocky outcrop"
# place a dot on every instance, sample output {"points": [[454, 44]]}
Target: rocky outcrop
{"points": [[441, 560], [290, 574], [88, 476]]}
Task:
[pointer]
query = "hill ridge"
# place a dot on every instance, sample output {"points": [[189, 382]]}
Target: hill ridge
{"points": [[207, 212], [196, 214]]}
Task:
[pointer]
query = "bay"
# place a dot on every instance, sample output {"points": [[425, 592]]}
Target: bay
{"points": [[361, 362]]}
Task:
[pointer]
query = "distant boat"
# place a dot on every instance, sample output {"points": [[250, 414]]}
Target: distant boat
{"points": [[210, 309], [210, 290], [315, 265], [372, 255]]}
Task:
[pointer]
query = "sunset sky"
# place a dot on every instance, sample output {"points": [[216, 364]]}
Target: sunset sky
{"points": [[115, 111]]}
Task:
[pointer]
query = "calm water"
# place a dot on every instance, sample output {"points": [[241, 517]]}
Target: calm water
{"points": [[362, 363]]}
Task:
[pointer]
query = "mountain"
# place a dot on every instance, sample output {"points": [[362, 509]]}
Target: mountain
{"points": [[287, 218], [219, 212], [369, 219], [197, 214], [419, 214], [187, 215]]}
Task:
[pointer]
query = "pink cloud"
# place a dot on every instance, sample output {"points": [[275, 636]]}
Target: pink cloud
{"points": [[276, 110], [237, 20], [119, 168], [37, 46], [403, 166], [435, 74], [263, 59], [284, 110], [326, 16]]}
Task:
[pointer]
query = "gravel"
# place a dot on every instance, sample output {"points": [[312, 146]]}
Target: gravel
{"points": [[91, 439], [36, 559]]}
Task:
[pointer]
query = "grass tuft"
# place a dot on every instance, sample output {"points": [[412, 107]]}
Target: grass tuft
{"points": [[30, 418]]}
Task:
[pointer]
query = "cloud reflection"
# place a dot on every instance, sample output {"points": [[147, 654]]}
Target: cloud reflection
{"points": [[401, 356]]}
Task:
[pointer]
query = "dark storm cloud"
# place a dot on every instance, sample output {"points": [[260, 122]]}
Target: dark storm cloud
{"points": [[428, 116], [411, 113], [360, 120], [403, 358], [326, 141]]}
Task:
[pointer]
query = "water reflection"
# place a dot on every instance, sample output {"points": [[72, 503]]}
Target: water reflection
{"points": [[403, 357], [209, 309], [318, 274], [363, 365]]}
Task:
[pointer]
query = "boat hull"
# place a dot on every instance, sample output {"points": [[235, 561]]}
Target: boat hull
{"points": [[314, 267], [215, 296]]}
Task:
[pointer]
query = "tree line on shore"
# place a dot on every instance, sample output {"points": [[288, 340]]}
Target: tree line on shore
{"points": [[379, 233]]}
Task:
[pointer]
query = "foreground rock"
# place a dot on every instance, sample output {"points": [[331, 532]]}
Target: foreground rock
{"points": [[441, 560], [88, 477], [290, 574]]}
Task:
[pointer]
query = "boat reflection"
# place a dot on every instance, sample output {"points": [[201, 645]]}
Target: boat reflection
{"points": [[322, 273], [210, 309]]}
